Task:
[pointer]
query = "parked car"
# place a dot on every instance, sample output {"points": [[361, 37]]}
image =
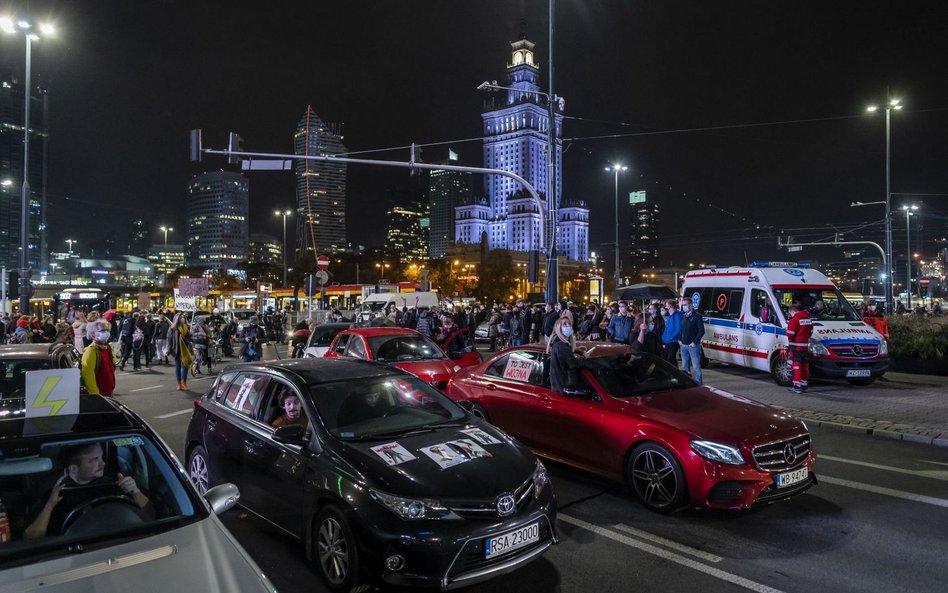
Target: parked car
{"points": [[405, 349], [482, 332], [242, 316], [321, 338], [362, 477], [641, 420], [99, 536], [18, 359]]}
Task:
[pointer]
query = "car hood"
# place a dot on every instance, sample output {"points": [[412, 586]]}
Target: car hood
{"points": [[202, 556], [430, 370], [716, 415], [508, 465]]}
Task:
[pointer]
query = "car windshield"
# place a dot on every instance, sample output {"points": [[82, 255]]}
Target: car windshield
{"points": [[13, 374], [113, 489], [404, 348], [323, 336], [823, 305], [242, 315], [646, 374], [381, 407]]}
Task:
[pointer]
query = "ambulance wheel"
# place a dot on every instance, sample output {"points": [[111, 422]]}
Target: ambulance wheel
{"points": [[861, 381], [782, 371]]}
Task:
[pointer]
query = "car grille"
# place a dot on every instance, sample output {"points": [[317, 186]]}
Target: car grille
{"points": [[488, 509], [472, 555], [773, 456], [855, 350]]}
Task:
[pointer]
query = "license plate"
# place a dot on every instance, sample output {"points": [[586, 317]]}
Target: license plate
{"points": [[791, 478], [512, 540], [858, 373]]}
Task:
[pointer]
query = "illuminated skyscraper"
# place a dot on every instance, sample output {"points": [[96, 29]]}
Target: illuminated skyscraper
{"points": [[320, 187], [218, 205], [643, 231], [407, 233], [446, 191]]}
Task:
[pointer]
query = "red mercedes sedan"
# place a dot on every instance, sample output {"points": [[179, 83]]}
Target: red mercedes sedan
{"points": [[405, 349], [642, 421]]}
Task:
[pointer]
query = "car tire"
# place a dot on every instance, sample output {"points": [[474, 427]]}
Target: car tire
{"points": [[336, 551], [199, 470], [656, 478], [782, 371], [861, 381], [478, 411]]}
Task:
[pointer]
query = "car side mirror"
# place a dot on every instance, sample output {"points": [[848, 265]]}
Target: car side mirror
{"points": [[222, 498], [467, 405], [579, 391], [291, 434]]}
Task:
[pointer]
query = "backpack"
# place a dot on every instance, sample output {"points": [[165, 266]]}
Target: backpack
{"points": [[138, 335]]}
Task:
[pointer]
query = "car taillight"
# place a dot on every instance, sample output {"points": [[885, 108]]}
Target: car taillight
{"points": [[197, 403]]}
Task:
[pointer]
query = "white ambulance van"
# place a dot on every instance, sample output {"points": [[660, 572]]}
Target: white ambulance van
{"points": [[745, 317]]}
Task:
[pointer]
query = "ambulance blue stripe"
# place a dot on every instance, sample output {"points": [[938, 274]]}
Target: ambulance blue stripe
{"points": [[837, 341], [766, 329]]}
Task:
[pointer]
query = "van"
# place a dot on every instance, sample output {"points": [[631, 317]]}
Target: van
{"points": [[745, 319], [374, 303]]}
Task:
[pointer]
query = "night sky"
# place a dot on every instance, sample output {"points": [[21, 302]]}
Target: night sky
{"points": [[128, 79]]}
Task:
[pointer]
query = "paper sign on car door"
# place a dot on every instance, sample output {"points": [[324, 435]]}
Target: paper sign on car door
{"points": [[518, 368]]}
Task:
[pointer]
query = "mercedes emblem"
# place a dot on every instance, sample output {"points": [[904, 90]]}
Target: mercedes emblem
{"points": [[789, 454], [506, 505], [857, 350]]}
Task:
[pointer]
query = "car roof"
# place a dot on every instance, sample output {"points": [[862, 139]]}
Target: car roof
{"points": [[18, 351], [97, 414], [371, 332], [593, 349], [322, 370]]}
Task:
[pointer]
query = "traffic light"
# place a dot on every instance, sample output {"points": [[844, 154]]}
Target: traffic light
{"points": [[196, 145], [13, 286], [234, 144]]}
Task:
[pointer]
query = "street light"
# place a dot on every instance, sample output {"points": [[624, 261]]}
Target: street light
{"points": [[616, 168], [70, 242], [25, 27], [889, 106], [284, 214], [166, 230], [909, 210]]}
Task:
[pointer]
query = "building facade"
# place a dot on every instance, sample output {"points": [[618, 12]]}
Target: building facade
{"points": [[446, 191], [166, 258], [217, 223], [407, 233], [265, 249], [320, 187], [516, 140], [11, 174], [644, 217]]}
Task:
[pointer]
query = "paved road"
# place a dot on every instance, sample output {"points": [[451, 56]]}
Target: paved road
{"points": [[877, 521]]}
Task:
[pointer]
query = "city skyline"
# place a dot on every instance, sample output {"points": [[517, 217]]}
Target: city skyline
{"points": [[630, 74]]}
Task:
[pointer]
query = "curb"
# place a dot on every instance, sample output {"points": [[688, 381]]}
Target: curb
{"points": [[878, 428]]}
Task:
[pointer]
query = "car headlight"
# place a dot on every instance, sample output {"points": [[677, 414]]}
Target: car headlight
{"points": [[817, 348], [411, 508], [718, 452], [540, 478], [883, 348]]}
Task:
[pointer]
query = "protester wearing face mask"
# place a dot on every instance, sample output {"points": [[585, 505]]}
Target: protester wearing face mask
{"points": [[97, 368], [873, 317], [692, 330], [563, 363], [654, 311], [646, 340], [672, 332], [620, 326]]}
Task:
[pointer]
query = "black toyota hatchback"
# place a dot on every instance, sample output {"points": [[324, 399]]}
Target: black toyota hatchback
{"points": [[383, 478]]}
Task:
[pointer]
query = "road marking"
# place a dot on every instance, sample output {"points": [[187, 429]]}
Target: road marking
{"points": [[938, 502], [144, 388], [668, 543], [935, 474], [178, 413], [670, 556]]}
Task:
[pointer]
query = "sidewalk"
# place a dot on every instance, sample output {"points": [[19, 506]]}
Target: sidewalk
{"points": [[900, 406]]}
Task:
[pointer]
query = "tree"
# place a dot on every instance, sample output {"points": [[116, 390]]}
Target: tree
{"points": [[497, 280], [261, 272], [222, 281]]}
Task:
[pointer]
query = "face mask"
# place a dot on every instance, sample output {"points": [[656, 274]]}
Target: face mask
{"points": [[102, 336], [557, 308], [686, 308], [567, 331], [872, 307], [664, 313], [651, 311], [651, 326]]}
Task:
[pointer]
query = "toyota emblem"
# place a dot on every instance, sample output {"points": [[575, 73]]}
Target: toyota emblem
{"points": [[857, 350], [506, 505], [789, 455]]}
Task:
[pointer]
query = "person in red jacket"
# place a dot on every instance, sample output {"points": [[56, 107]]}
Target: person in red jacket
{"points": [[799, 330]]}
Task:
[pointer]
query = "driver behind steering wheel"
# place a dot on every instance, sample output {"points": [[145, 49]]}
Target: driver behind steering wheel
{"points": [[83, 480]]}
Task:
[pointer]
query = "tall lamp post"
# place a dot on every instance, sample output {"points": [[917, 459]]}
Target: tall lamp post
{"points": [[284, 214], [25, 27], [166, 230], [909, 210], [71, 242], [616, 168], [889, 106]]}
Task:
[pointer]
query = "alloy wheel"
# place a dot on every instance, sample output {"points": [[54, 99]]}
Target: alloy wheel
{"points": [[198, 472], [654, 479], [333, 551]]}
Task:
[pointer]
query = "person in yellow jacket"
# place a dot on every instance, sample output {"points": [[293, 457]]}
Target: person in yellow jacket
{"points": [[97, 368], [179, 348]]}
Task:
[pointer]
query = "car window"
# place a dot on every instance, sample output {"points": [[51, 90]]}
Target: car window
{"points": [[322, 337], [93, 507], [246, 392], [223, 384], [721, 303], [763, 308], [642, 375], [496, 368], [340, 347], [13, 374], [404, 348], [356, 348]]}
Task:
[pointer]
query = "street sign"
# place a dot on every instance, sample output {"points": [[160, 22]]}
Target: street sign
{"points": [[322, 276], [924, 281], [322, 262]]}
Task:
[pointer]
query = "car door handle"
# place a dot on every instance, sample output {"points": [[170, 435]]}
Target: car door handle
{"points": [[211, 424], [251, 446], [491, 387]]}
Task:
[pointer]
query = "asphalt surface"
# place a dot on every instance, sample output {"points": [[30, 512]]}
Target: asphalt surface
{"points": [[877, 521]]}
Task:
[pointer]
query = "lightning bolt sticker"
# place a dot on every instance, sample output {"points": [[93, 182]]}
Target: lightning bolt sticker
{"points": [[54, 405], [51, 393]]}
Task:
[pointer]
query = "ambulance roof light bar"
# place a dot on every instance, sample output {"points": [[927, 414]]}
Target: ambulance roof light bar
{"points": [[778, 264]]}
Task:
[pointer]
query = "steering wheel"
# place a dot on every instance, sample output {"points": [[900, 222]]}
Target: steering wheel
{"points": [[88, 507]]}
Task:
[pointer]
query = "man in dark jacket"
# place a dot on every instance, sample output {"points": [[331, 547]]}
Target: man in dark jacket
{"points": [[549, 319], [692, 330], [125, 337], [563, 364]]}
